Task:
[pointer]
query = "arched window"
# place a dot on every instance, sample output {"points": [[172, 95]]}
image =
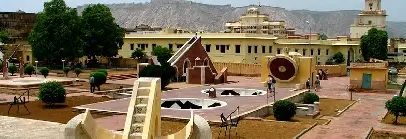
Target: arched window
{"points": [[186, 65], [206, 62]]}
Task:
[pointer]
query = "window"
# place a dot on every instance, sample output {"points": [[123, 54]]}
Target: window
{"points": [[327, 52], [179, 45], [222, 49], [270, 49], [249, 49], [237, 49], [217, 47], [28, 58], [228, 47], [208, 47], [255, 49], [369, 22], [142, 46], [132, 46], [146, 45], [296, 50], [311, 51], [318, 51], [263, 49], [304, 52], [171, 47], [278, 51]]}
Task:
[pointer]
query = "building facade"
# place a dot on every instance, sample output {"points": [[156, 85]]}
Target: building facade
{"points": [[244, 47], [255, 22], [372, 16]]}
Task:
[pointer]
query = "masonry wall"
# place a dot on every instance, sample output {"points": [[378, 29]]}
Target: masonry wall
{"points": [[194, 52], [379, 78]]}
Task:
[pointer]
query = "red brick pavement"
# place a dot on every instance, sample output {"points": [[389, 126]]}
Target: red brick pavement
{"points": [[356, 121]]}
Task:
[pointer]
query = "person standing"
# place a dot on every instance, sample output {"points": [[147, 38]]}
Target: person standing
{"points": [[92, 85], [308, 83], [317, 82]]}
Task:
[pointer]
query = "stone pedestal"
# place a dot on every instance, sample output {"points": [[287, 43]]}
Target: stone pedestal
{"points": [[316, 107], [212, 93]]}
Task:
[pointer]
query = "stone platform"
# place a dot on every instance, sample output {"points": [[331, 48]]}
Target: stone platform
{"points": [[27, 82]]}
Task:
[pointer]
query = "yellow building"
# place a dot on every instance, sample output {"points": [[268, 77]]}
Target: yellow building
{"points": [[369, 76], [255, 22], [244, 47], [371, 17]]}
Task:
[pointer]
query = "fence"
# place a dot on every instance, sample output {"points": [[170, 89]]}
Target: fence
{"points": [[241, 69]]}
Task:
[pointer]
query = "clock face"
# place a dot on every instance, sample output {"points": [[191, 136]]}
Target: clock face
{"points": [[282, 68]]}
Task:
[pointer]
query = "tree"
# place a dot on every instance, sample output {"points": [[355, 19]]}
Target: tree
{"points": [[138, 54], [375, 45], [66, 70], [284, 110], [77, 71], [29, 69], [102, 36], [397, 107], [52, 92], [12, 69], [4, 36], [99, 78], [163, 54], [338, 58], [322, 36], [57, 33], [44, 71], [165, 72]]}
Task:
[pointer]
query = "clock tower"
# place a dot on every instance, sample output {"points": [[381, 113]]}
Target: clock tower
{"points": [[372, 16]]}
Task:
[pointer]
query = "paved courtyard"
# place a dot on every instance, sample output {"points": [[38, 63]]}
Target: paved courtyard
{"points": [[246, 104], [20, 128]]}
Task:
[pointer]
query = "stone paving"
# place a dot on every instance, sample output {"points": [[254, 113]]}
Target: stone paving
{"points": [[249, 103], [356, 121], [19, 128]]}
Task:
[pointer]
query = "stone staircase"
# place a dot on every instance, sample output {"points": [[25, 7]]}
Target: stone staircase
{"points": [[184, 48], [143, 110], [122, 76]]}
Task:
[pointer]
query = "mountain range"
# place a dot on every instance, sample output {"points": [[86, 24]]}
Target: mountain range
{"points": [[212, 18]]}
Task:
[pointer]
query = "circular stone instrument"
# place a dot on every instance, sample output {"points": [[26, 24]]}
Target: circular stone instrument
{"points": [[283, 68]]}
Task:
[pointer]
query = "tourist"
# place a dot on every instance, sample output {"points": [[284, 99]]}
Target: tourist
{"points": [[317, 82], [308, 83], [271, 84], [321, 74], [92, 85], [326, 74]]}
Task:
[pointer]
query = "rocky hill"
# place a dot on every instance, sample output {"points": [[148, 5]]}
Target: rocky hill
{"points": [[197, 16]]}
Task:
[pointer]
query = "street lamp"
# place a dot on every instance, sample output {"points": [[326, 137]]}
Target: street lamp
{"points": [[63, 63], [36, 68]]}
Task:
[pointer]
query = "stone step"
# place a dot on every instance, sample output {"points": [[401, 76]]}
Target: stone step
{"points": [[137, 127], [143, 91]]}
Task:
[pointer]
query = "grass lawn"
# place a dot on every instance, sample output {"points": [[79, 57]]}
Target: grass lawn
{"points": [[387, 135], [330, 107], [389, 118], [247, 129], [58, 113]]}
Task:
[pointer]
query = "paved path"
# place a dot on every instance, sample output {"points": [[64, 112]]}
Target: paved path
{"points": [[19, 128], [356, 121]]}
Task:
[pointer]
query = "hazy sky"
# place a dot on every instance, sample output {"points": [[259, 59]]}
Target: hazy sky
{"points": [[393, 7]]}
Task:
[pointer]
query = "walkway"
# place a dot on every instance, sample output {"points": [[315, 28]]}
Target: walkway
{"points": [[19, 128], [356, 121]]}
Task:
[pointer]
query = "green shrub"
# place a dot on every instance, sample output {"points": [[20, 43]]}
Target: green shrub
{"points": [[1, 65], [77, 71], [66, 70], [102, 71], [397, 107], [99, 78], [165, 72], [284, 110], [310, 98], [12, 69], [52, 92], [29, 69], [44, 71]]}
